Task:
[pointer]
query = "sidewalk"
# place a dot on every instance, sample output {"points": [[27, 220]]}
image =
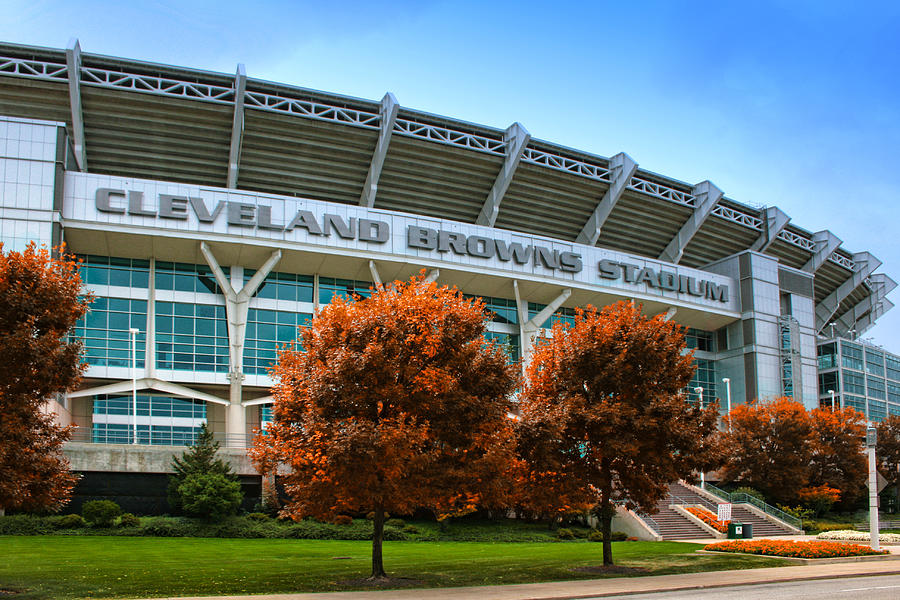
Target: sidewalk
{"points": [[560, 590]]}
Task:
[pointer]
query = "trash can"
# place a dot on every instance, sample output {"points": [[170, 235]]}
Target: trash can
{"points": [[748, 531], [735, 531]]}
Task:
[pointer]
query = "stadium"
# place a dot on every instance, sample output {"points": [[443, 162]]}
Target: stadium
{"points": [[216, 213]]}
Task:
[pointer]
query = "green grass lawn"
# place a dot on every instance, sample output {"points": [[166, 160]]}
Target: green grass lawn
{"points": [[93, 566]]}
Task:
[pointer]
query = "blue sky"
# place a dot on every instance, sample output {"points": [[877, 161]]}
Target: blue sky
{"points": [[787, 103]]}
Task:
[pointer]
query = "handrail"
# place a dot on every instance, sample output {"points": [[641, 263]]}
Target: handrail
{"points": [[649, 521], [688, 502], [742, 498]]}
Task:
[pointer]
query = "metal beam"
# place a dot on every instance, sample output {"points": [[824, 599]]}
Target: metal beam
{"points": [[237, 126], [881, 285], [148, 383], [826, 243], [389, 109], [868, 321], [73, 66], [516, 138], [621, 169], [432, 276], [863, 264], [774, 221], [705, 197]]}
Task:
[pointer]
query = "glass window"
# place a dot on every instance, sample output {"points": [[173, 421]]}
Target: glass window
{"points": [[893, 392], [700, 340], [705, 377], [562, 315], [828, 381], [330, 287], [283, 286], [893, 367], [509, 342], [851, 356], [191, 337], [104, 331], [113, 414], [854, 383], [855, 402], [877, 410], [876, 388], [827, 354], [268, 330], [874, 362], [122, 272], [183, 277]]}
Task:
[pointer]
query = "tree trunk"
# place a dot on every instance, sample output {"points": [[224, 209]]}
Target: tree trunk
{"points": [[606, 515], [377, 538]]}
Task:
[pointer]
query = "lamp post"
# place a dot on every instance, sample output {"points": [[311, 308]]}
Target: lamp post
{"points": [[699, 391], [832, 324], [133, 333], [727, 382], [871, 441], [832, 399]]}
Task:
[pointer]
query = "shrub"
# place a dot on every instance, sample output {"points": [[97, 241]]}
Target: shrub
{"points": [[804, 514], [161, 527], [615, 536], [392, 534], [819, 499], [342, 520], [100, 513], [129, 520], [411, 529], [858, 536], [595, 536], [67, 521], [199, 459], [398, 523], [211, 496], [259, 517], [24, 525], [820, 527], [565, 533]]}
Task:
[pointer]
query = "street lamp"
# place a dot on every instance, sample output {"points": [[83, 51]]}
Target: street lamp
{"points": [[727, 382], [699, 391], [133, 332], [832, 399]]}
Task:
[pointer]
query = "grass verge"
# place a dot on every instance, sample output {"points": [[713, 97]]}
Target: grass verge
{"points": [[40, 567]]}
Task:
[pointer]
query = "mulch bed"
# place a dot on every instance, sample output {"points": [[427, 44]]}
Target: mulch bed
{"points": [[612, 570]]}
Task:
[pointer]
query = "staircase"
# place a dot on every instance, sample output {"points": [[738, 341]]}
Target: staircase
{"points": [[672, 525]]}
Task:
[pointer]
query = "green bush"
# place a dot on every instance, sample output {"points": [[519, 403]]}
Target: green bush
{"points": [[161, 527], [819, 526], [24, 525], [199, 459], [411, 529], [259, 517], [565, 533], [615, 536], [595, 536], [100, 513], [67, 522], [211, 496], [129, 520], [392, 534], [750, 492], [398, 523]]}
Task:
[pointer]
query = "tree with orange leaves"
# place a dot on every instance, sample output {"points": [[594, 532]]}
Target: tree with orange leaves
{"points": [[769, 447], [603, 419], [395, 402], [838, 452], [40, 302], [887, 452]]}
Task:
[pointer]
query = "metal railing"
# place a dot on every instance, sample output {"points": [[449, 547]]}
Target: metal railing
{"points": [[650, 522], [90, 435], [742, 498], [694, 501]]}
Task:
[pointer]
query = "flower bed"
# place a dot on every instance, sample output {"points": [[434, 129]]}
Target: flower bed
{"points": [[709, 518], [811, 549], [849, 535]]}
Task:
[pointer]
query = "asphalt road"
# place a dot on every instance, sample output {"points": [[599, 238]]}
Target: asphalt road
{"points": [[883, 587]]}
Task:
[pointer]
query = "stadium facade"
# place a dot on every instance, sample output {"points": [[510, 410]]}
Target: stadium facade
{"points": [[215, 214]]}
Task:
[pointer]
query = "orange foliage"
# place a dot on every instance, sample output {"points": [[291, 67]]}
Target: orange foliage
{"points": [[39, 304], [396, 403], [778, 448], [709, 518], [887, 452], [603, 419], [810, 549]]}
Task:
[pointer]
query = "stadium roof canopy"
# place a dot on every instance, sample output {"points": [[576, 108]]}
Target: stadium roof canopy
{"points": [[137, 119]]}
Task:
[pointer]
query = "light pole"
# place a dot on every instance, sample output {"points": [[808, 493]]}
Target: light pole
{"points": [[871, 441], [699, 391], [727, 382], [832, 329], [133, 332], [832, 399]]}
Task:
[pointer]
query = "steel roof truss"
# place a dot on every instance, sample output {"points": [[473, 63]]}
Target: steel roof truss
{"points": [[825, 243], [706, 195], [515, 138], [622, 169], [864, 265], [237, 126], [73, 67], [389, 109], [774, 221], [881, 286]]}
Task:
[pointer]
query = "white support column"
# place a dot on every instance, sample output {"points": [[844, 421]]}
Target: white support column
{"points": [[376, 277], [528, 328], [237, 306], [432, 276], [237, 126], [516, 138], [774, 222], [148, 383], [826, 243], [670, 313], [622, 168], [150, 337], [706, 195], [389, 109], [73, 64], [881, 285], [864, 264]]}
